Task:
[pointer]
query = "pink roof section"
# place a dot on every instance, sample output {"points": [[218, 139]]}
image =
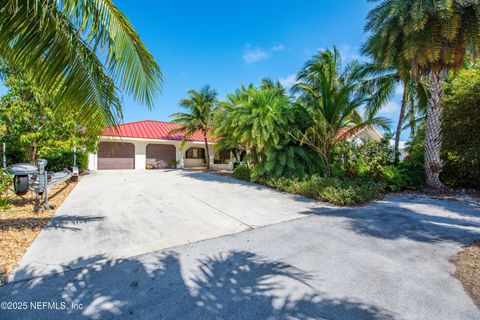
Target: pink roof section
{"points": [[150, 129]]}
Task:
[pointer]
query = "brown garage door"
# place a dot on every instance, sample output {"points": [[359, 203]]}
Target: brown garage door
{"points": [[159, 155], [116, 155]]}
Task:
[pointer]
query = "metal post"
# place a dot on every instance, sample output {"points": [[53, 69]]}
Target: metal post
{"points": [[43, 181], [4, 157], [45, 192], [74, 156]]}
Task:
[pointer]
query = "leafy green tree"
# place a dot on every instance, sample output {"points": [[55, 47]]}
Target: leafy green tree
{"points": [[461, 119], [79, 53], [332, 97], [200, 106], [433, 37], [253, 119], [32, 129], [259, 120]]}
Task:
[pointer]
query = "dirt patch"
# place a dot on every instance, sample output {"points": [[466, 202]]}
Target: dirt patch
{"points": [[20, 224], [468, 270]]}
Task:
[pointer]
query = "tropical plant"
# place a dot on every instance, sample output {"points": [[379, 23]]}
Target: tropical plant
{"points": [[32, 128], [381, 83], [5, 185], [433, 37], [332, 190], [268, 83], [200, 106], [461, 119], [258, 120], [363, 160], [330, 94], [253, 119], [78, 52]]}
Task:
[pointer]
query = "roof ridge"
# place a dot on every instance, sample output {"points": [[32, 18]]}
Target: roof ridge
{"points": [[140, 121]]}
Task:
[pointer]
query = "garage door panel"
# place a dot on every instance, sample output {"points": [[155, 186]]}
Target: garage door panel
{"points": [[116, 155], [159, 155]]}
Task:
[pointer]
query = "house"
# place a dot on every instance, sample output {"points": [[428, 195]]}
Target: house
{"points": [[149, 144], [402, 148], [368, 133]]}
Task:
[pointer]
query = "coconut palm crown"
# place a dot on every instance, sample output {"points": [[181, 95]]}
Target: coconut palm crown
{"points": [[433, 37], [200, 106], [81, 53]]}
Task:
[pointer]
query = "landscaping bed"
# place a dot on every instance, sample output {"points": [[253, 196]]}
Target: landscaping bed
{"points": [[20, 224], [468, 270]]}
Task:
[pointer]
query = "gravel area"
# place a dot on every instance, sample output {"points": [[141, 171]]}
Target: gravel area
{"points": [[20, 224], [468, 270]]}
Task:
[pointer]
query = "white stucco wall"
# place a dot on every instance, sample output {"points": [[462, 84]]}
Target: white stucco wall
{"points": [[141, 151]]}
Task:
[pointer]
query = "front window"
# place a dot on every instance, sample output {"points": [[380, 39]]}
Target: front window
{"points": [[195, 153]]}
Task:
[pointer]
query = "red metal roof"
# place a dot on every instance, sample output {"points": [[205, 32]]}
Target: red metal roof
{"points": [[150, 129]]}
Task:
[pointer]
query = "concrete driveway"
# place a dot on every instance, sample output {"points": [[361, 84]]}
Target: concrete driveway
{"points": [[387, 260], [115, 214]]}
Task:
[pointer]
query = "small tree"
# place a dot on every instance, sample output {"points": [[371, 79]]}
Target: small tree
{"points": [[461, 148], [200, 106], [32, 129], [332, 97]]}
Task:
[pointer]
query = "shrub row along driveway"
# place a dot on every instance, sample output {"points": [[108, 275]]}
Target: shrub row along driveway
{"points": [[388, 260]]}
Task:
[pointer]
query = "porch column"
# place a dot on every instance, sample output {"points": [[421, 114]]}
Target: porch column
{"points": [[179, 156]]}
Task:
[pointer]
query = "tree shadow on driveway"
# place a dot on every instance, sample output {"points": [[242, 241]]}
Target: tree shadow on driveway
{"points": [[67, 222], [396, 217], [232, 285]]}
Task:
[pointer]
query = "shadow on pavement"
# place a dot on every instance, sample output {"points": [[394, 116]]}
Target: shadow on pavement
{"points": [[233, 285], [395, 218], [55, 222]]}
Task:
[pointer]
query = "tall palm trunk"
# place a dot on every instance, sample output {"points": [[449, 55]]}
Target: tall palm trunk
{"points": [[207, 156], [413, 122], [400, 122], [433, 132]]}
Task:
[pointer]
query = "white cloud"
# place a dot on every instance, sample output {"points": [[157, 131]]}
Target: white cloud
{"points": [[288, 81], [399, 90], [252, 55], [279, 47], [255, 54], [347, 53], [391, 107]]}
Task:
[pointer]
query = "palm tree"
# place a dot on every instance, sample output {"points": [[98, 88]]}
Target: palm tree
{"points": [[332, 96], [433, 37], [254, 119], [200, 105], [80, 53], [381, 82], [268, 83]]}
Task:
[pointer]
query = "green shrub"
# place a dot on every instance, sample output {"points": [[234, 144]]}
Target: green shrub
{"points": [[59, 160], [242, 172], [332, 190], [413, 164], [395, 178], [5, 183], [365, 160], [173, 164], [461, 138]]}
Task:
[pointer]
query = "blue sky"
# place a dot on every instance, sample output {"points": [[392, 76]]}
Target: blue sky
{"points": [[226, 43]]}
